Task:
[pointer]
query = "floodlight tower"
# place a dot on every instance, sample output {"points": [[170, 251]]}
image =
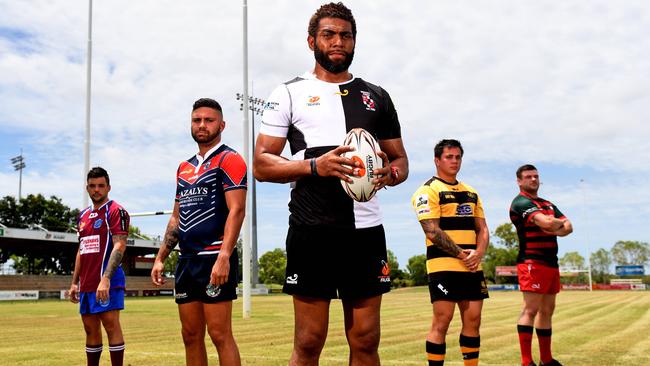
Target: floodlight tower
{"points": [[255, 105], [19, 164]]}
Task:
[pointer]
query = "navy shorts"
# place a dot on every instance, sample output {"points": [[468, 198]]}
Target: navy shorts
{"points": [[193, 280], [88, 304], [332, 263]]}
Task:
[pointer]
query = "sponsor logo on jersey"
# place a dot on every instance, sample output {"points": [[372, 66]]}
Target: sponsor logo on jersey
{"points": [[536, 286], [271, 106], [180, 295], [292, 280], [187, 171], [89, 244], [443, 289], [313, 101], [464, 210], [365, 98], [92, 215], [344, 93], [385, 272], [193, 192], [422, 200], [212, 290], [530, 211], [98, 223]]}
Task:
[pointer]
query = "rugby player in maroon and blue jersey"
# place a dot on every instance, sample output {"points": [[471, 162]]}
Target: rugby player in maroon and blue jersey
{"points": [[98, 280], [207, 216], [538, 224]]}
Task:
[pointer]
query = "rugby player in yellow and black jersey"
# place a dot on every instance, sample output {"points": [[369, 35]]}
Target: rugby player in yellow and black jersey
{"points": [[451, 215]]}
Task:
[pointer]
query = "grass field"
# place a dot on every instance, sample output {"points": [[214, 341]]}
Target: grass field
{"points": [[599, 328]]}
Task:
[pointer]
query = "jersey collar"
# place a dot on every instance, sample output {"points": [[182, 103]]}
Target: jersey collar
{"points": [[311, 76], [200, 159]]}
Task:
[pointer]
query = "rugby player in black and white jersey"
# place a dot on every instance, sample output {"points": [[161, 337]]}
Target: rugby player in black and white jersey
{"points": [[336, 247]]}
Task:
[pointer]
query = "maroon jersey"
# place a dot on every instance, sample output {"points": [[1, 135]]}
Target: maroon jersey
{"points": [[96, 229]]}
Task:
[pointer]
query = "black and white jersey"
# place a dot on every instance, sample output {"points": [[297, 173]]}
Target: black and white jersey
{"points": [[315, 116]]}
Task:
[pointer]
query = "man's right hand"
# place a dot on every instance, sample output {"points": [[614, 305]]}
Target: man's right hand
{"points": [[73, 293], [332, 164], [157, 273]]}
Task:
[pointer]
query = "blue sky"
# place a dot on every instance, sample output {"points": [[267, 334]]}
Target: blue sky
{"points": [[563, 85]]}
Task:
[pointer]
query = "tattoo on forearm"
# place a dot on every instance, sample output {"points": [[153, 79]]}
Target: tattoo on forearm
{"points": [[171, 236], [440, 239], [115, 259]]}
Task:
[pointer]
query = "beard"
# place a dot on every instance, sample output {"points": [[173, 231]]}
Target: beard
{"points": [[206, 138], [331, 66]]}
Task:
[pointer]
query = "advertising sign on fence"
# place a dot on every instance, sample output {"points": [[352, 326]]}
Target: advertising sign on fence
{"points": [[632, 270]]}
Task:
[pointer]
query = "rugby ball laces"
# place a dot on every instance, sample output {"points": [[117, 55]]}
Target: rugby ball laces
{"points": [[361, 189]]}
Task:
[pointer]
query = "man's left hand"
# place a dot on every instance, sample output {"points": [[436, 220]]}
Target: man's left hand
{"points": [[102, 290], [220, 271], [473, 259], [382, 175]]}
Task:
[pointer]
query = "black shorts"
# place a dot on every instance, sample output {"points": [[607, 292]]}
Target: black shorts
{"points": [[193, 278], [336, 263], [457, 286]]}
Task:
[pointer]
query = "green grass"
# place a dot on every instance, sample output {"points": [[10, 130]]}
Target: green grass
{"points": [[599, 328]]}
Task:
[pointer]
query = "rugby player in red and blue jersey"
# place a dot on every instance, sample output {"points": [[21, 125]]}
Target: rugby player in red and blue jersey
{"points": [[538, 224], [98, 280], [207, 216]]}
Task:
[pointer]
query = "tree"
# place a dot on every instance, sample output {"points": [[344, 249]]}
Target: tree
{"points": [[628, 252], [601, 261], [506, 236], [417, 268], [50, 213], [572, 260], [134, 232], [272, 265], [502, 252]]}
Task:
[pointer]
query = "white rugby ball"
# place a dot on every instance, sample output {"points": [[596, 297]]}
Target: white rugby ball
{"points": [[365, 153]]}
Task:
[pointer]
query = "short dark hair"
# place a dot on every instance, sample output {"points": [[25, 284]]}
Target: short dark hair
{"points": [[207, 102], [331, 10], [524, 168], [98, 172], [448, 143]]}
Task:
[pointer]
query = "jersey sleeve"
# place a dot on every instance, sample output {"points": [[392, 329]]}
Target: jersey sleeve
{"points": [[479, 208], [119, 221], [426, 203], [276, 118], [389, 127], [558, 213], [178, 187], [525, 208], [234, 172]]}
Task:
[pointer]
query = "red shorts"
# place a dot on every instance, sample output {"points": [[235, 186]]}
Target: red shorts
{"points": [[538, 278]]}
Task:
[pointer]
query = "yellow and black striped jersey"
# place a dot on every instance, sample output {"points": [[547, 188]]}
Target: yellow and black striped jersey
{"points": [[456, 205]]}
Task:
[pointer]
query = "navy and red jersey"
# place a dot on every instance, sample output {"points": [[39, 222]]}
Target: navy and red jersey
{"points": [[535, 245], [200, 193], [96, 229]]}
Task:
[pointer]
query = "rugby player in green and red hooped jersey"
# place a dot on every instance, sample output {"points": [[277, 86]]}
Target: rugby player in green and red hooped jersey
{"points": [[538, 223]]}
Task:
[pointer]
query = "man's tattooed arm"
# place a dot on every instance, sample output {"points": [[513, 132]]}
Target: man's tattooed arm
{"points": [[439, 238], [119, 246], [170, 240]]}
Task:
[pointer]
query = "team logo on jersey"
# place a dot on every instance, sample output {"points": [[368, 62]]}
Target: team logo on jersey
{"points": [[292, 280], [464, 210], [385, 272], [98, 223], [92, 215], [344, 93], [365, 98], [212, 290], [313, 101]]}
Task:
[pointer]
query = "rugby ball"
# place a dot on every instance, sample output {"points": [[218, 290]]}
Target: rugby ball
{"points": [[365, 153]]}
